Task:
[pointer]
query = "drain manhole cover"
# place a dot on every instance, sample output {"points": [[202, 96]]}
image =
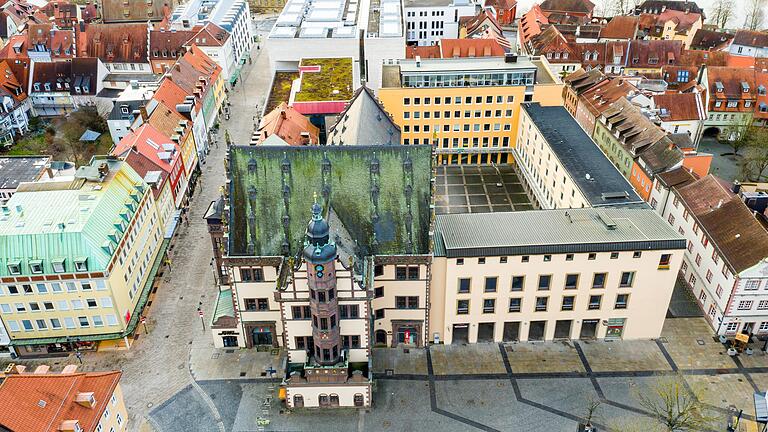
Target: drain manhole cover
{"points": [[150, 405], [699, 341], [229, 351]]}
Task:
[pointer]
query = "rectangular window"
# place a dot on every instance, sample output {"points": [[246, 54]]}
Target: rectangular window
{"points": [[97, 321], [569, 257], [598, 280], [491, 283], [464, 284], [411, 302], [83, 321], [664, 261], [571, 281], [745, 305], [69, 322], [614, 255], [55, 323], [541, 304], [515, 304], [626, 279], [517, 283], [27, 324], [544, 282], [752, 285], [263, 304], [594, 302], [462, 307], [379, 313], [592, 256], [489, 305], [378, 292], [91, 303], [621, 301], [568, 302]]}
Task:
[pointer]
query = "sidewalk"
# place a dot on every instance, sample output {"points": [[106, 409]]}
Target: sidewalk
{"points": [[208, 363]]}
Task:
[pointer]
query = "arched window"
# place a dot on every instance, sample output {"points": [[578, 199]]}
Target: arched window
{"points": [[298, 401], [381, 337], [359, 399], [334, 400], [323, 399]]}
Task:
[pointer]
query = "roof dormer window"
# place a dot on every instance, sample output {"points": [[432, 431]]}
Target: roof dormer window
{"points": [[14, 268], [58, 265], [36, 266], [719, 87], [81, 264], [744, 87]]}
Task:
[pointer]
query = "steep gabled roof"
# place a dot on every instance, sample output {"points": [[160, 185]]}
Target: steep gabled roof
{"points": [[151, 143], [751, 38], [621, 27], [677, 177], [577, 6], [210, 35], [289, 124], [135, 10], [710, 40], [40, 403], [654, 53], [168, 45], [143, 166], [364, 122], [114, 43]]}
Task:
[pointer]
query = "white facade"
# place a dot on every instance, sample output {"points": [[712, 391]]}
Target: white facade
{"points": [[321, 30], [427, 22], [747, 50], [232, 16], [732, 302], [224, 56]]}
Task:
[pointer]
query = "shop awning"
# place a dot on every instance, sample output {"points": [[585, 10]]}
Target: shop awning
{"points": [[173, 222]]}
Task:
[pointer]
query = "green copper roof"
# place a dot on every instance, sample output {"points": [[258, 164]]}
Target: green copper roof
{"points": [[224, 306], [70, 219], [381, 194]]}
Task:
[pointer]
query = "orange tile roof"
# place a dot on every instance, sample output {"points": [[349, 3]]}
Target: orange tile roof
{"points": [[470, 48], [148, 141], [431, 51], [287, 123], [10, 83], [678, 106], [166, 120], [531, 22], [142, 165], [170, 94], [210, 35], [740, 61], [21, 396], [620, 27]]}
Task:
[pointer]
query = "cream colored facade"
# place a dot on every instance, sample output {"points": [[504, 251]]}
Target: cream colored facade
{"points": [[641, 318], [465, 121], [42, 311], [569, 292], [115, 415], [570, 171]]}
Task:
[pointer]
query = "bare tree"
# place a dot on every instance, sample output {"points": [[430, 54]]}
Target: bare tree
{"points": [[722, 12], [675, 408], [739, 133], [590, 412], [620, 7], [755, 14], [755, 161]]}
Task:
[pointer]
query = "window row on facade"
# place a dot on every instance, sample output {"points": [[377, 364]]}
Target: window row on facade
{"points": [[541, 304]]}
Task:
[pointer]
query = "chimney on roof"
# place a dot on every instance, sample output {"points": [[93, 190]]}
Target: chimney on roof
{"points": [[177, 66], [283, 115], [736, 188]]}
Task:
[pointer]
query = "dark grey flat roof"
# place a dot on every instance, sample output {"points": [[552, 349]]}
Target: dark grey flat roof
{"points": [[19, 169], [553, 231], [116, 114], [580, 156]]}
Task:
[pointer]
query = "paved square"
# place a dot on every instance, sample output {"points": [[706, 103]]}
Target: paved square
{"points": [[544, 357], [467, 359], [683, 335], [724, 391], [624, 356], [414, 362]]}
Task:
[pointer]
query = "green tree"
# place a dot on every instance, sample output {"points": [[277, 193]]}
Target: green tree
{"points": [[676, 408]]}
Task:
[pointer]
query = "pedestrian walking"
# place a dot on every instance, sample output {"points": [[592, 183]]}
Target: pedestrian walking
{"points": [[79, 356]]}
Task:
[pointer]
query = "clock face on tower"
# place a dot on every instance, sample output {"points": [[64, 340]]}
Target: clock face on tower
{"points": [[319, 271]]}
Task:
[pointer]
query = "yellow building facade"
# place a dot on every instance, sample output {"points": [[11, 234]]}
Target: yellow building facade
{"points": [[77, 273], [468, 108]]}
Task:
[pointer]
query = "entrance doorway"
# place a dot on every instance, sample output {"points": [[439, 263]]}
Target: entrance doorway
{"points": [[588, 329], [229, 341], [563, 329], [615, 328], [381, 337], [485, 332], [460, 333], [511, 331], [261, 336], [536, 330], [748, 328]]}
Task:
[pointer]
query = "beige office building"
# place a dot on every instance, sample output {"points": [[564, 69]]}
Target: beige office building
{"points": [[552, 274]]}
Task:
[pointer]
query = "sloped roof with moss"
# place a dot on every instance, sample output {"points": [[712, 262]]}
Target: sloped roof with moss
{"points": [[380, 194]]}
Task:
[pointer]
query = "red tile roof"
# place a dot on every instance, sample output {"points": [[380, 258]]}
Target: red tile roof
{"points": [[114, 43], [64, 13], [654, 53], [431, 51], [710, 40], [678, 106], [530, 23], [603, 94], [142, 165], [470, 48], [620, 27], [166, 119], [170, 94], [151, 143], [751, 38], [732, 81], [287, 123], [572, 6], [10, 83], [167, 45], [684, 21], [696, 58], [21, 397], [210, 35]]}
